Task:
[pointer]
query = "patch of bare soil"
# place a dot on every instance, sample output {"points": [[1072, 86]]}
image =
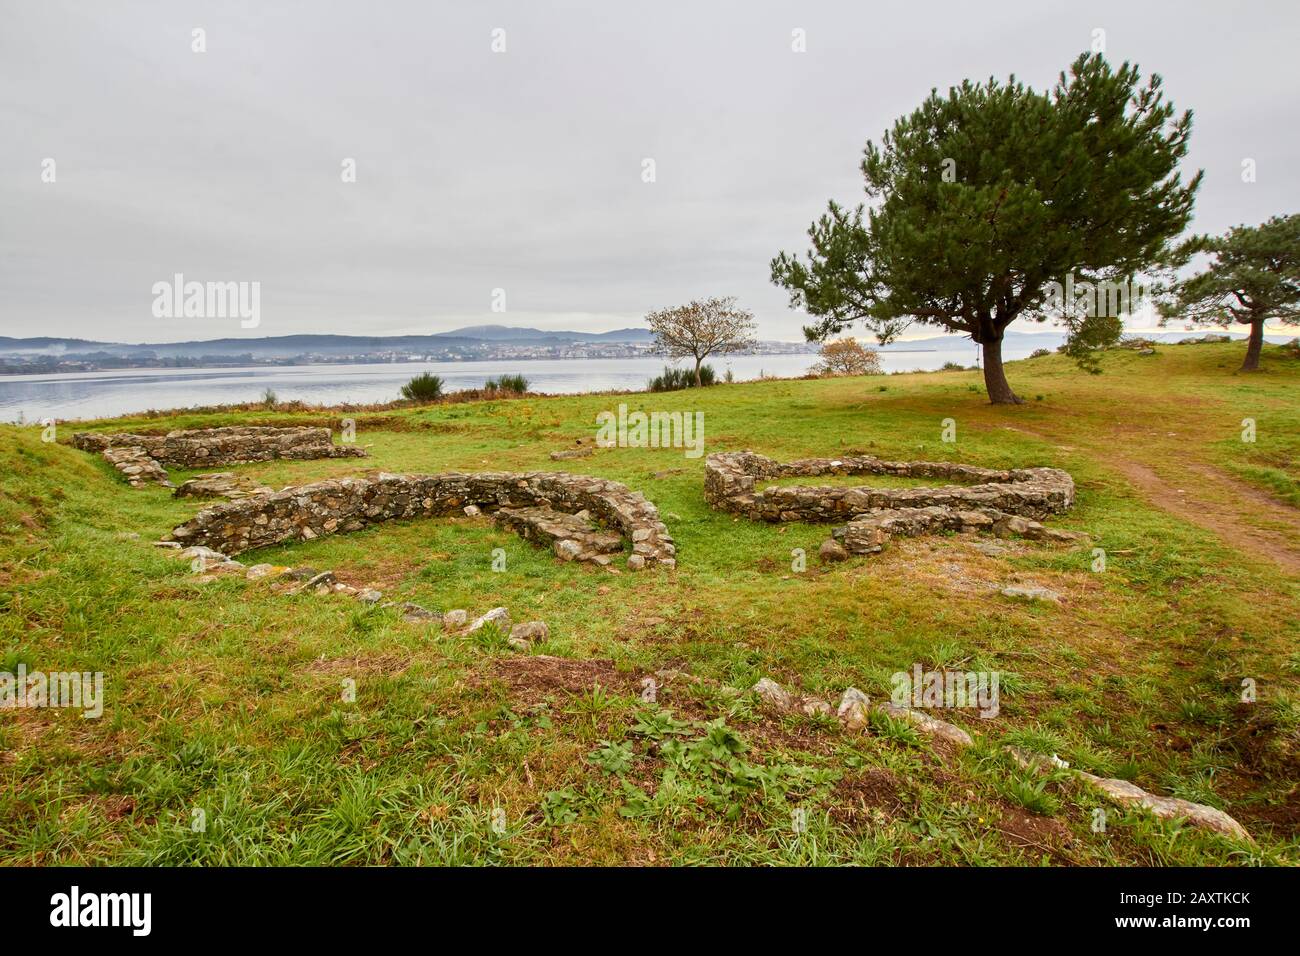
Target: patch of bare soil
{"points": [[864, 797], [1265, 752], [1283, 817], [116, 806], [1032, 832], [534, 678]]}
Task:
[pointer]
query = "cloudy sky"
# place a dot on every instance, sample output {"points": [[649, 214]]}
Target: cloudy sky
{"points": [[522, 170]]}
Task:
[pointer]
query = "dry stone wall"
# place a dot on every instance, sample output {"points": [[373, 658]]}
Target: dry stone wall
{"points": [[1004, 501], [572, 537], [349, 504], [134, 464], [220, 484], [200, 447]]}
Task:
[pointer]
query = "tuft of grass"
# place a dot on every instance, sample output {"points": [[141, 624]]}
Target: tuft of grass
{"points": [[675, 379], [1032, 794], [425, 387], [514, 384]]}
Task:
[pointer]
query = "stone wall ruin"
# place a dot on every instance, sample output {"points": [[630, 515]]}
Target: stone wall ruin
{"points": [[1005, 501], [349, 504], [141, 458]]}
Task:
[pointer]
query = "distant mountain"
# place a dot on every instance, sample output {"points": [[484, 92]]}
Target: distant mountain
{"points": [[512, 334], [13, 346], [468, 342], [288, 346]]}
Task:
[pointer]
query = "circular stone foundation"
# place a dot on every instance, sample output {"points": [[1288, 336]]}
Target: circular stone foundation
{"points": [[1006, 501], [349, 504]]}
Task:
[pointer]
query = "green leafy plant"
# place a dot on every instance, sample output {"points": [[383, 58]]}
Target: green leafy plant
{"points": [[560, 807], [659, 724], [613, 758]]}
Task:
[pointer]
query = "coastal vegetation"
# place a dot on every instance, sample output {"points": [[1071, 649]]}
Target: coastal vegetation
{"points": [[225, 698]]}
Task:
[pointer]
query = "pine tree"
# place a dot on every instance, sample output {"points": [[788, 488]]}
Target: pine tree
{"points": [[990, 195], [1254, 276]]}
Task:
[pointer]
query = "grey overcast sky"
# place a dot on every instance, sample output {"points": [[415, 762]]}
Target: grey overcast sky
{"points": [[522, 170]]}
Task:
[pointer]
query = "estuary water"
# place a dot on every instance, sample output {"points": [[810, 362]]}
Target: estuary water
{"points": [[80, 395]]}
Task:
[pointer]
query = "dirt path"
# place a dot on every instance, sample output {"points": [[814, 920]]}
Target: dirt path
{"points": [[1233, 513], [1227, 517]]}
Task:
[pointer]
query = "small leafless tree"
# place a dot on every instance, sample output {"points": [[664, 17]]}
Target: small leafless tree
{"points": [[848, 357], [701, 328]]}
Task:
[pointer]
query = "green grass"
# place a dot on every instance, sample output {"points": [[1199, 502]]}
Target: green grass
{"points": [[227, 698]]}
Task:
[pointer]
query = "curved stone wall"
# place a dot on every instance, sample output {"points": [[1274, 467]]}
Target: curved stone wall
{"points": [[1009, 501], [349, 504], [200, 447]]}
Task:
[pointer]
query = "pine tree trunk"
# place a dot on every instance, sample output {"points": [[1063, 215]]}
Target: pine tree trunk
{"points": [[1254, 346], [995, 380]]}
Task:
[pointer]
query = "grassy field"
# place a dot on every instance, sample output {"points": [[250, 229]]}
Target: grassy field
{"points": [[225, 697]]}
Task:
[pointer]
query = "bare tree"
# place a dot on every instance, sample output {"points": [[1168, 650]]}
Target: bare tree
{"points": [[848, 357], [701, 328]]}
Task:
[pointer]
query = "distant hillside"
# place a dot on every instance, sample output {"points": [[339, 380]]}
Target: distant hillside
{"points": [[468, 342], [288, 346], [506, 333]]}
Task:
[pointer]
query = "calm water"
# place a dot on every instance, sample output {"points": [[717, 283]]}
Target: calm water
{"points": [[32, 398]]}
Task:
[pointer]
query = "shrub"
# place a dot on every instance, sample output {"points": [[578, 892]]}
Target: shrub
{"points": [[1040, 353], [507, 383], [847, 357], [674, 379], [425, 387], [268, 398]]}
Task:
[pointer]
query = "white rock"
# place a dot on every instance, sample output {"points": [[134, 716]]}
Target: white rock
{"points": [[773, 693], [498, 616], [1169, 808], [930, 725], [530, 631], [198, 551], [853, 708]]}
